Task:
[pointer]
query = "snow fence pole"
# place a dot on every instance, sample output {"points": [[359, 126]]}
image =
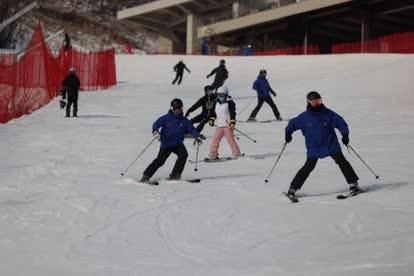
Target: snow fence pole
{"points": [[362, 160], [245, 135], [274, 165], [139, 155]]}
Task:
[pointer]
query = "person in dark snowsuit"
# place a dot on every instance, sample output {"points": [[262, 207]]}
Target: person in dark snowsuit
{"points": [[70, 86], [179, 69], [221, 75], [206, 103], [318, 125], [264, 92], [170, 129]]}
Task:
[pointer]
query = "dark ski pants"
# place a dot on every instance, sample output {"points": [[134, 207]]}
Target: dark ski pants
{"points": [[72, 99], [216, 84], [162, 156], [269, 101], [310, 164], [202, 119], [178, 77]]}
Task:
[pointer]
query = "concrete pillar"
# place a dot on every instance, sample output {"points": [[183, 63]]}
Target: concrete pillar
{"points": [[305, 39], [193, 43], [165, 45], [364, 31]]}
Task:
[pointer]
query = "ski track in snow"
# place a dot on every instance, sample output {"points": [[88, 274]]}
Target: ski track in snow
{"points": [[65, 210]]}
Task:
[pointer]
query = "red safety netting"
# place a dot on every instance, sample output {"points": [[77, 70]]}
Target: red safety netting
{"points": [[36, 78], [402, 43]]}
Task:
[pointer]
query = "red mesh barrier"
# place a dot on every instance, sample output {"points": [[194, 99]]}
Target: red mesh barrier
{"points": [[402, 43], [36, 79]]}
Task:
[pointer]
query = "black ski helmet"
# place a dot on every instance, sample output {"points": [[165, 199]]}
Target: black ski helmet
{"points": [[263, 72], [222, 62], [313, 95], [177, 103], [207, 88]]}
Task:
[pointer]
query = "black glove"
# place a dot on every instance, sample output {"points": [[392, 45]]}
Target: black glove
{"points": [[197, 142], [211, 121], [345, 140], [273, 93], [187, 113], [288, 138], [62, 104], [208, 76]]}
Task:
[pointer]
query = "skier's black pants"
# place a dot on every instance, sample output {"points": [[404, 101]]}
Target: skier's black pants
{"points": [[310, 164], [260, 101], [162, 156], [202, 119], [72, 99], [216, 84], [178, 77]]}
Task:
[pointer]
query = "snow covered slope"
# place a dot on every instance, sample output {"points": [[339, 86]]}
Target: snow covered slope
{"points": [[65, 210]]}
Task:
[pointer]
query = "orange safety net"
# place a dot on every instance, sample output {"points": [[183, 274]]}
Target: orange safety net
{"points": [[36, 79]]}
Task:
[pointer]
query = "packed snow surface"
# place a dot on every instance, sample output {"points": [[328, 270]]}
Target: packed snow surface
{"points": [[66, 210]]}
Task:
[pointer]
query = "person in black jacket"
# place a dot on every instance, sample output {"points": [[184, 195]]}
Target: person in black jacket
{"points": [[206, 103], [179, 69], [71, 87], [221, 75]]}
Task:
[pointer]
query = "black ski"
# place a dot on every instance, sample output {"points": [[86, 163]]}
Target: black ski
{"points": [[193, 180], [155, 183], [293, 199], [350, 194]]}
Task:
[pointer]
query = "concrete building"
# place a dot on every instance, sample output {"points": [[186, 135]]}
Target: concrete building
{"points": [[196, 26]]}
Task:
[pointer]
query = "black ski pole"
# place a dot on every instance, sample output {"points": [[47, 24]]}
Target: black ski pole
{"points": [[139, 155], [274, 165], [245, 108], [196, 162], [362, 160], [245, 135]]}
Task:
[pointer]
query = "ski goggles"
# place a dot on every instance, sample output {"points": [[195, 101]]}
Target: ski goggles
{"points": [[315, 102], [177, 107]]}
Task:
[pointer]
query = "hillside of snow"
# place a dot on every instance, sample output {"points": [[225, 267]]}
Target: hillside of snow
{"points": [[65, 209]]}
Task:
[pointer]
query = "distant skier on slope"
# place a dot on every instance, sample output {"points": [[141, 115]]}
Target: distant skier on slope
{"points": [[206, 103], [264, 92], [220, 75], [318, 125], [224, 117], [170, 130], [70, 87], [179, 69]]}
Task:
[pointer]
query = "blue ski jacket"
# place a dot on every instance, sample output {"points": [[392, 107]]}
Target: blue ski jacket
{"points": [[262, 87], [173, 128], [318, 127]]}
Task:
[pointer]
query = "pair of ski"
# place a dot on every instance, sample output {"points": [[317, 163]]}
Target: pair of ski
{"points": [[219, 159], [155, 182], [294, 199], [264, 121]]}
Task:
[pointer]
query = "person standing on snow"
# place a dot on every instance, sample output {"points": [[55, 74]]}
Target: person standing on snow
{"points": [[264, 91], [170, 130], [179, 69], [224, 117], [206, 103], [318, 125], [70, 86], [220, 75]]}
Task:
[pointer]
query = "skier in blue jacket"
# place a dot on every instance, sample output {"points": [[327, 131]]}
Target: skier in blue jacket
{"points": [[264, 92], [318, 125], [170, 129]]}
